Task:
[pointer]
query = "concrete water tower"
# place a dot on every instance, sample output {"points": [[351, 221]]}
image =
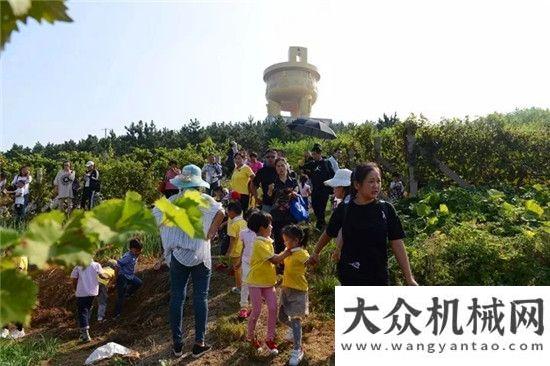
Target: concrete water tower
{"points": [[291, 86]]}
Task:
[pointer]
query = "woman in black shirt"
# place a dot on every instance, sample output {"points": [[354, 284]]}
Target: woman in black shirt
{"points": [[282, 192], [367, 225]]}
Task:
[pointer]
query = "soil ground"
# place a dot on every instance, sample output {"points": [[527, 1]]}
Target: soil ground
{"points": [[144, 325]]}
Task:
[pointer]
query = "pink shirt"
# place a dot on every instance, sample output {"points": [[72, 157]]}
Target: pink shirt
{"points": [[255, 166], [169, 175], [87, 284], [247, 236]]}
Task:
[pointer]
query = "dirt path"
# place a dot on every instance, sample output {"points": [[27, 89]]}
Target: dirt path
{"points": [[144, 325]]}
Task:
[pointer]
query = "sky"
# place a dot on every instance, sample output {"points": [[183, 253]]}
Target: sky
{"points": [[171, 61]]}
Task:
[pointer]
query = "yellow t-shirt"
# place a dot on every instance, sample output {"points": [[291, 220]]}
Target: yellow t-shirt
{"points": [[106, 271], [240, 179], [262, 271], [294, 275], [234, 227], [22, 263]]}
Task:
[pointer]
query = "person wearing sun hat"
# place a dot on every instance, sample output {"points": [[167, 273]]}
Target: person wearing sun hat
{"points": [[341, 184], [189, 257]]}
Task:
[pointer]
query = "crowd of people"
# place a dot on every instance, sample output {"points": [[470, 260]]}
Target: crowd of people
{"points": [[259, 213], [66, 188]]}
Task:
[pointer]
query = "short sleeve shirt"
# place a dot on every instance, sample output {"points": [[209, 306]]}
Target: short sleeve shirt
{"points": [[247, 237], [365, 232], [262, 271], [87, 284], [240, 178], [234, 228], [294, 275], [109, 272]]}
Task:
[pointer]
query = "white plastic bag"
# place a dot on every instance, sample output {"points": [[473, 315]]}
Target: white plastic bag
{"points": [[109, 350]]}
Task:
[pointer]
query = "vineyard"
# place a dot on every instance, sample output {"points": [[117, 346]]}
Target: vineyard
{"points": [[493, 230]]}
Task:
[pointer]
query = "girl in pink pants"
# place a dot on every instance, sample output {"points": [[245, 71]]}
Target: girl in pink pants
{"points": [[262, 279]]}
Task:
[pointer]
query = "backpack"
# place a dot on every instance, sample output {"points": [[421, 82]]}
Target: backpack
{"points": [[298, 210]]}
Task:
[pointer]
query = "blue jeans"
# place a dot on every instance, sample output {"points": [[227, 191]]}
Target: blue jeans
{"points": [[179, 276], [125, 287]]}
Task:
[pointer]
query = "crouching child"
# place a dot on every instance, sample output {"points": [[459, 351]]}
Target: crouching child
{"points": [[127, 282]]}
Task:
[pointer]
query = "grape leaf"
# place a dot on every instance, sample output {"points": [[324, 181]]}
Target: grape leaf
{"points": [[51, 11], [74, 247], [113, 221], [41, 234], [18, 293], [184, 212], [8, 237]]}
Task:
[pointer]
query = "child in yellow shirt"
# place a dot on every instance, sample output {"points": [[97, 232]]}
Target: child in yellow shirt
{"points": [[262, 278], [103, 296], [235, 224], [294, 297]]}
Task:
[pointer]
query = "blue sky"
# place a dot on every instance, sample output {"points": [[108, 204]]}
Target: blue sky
{"points": [[171, 61]]}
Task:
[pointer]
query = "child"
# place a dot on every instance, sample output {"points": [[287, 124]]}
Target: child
{"points": [[305, 190], [86, 289], [127, 282], [262, 279], [294, 297], [247, 237], [103, 296], [235, 224]]}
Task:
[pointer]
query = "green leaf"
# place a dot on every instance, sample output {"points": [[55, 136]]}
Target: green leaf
{"points": [[433, 221], [8, 237], [495, 194], [115, 220], [18, 293], [51, 11], [422, 209], [184, 213], [41, 234], [534, 207], [74, 247], [443, 209], [507, 209]]}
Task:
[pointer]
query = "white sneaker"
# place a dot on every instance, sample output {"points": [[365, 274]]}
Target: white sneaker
{"points": [[289, 335], [5, 333], [295, 357], [15, 334]]}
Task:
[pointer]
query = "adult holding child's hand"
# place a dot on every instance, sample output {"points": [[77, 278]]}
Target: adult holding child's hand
{"points": [[367, 225], [190, 257]]}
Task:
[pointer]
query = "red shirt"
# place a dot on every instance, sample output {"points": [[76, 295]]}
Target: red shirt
{"points": [[169, 175]]}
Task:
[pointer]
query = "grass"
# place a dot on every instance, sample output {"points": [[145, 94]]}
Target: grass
{"points": [[28, 351], [228, 329]]}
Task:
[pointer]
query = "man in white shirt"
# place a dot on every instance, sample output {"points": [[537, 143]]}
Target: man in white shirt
{"points": [[63, 184]]}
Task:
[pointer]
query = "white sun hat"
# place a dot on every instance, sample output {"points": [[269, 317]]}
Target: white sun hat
{"points": [[342, 178], [90, 163]]}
